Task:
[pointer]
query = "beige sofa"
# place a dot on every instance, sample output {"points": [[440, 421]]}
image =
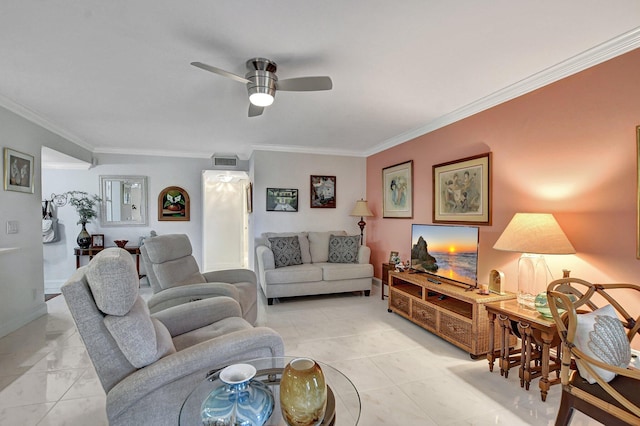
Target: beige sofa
{"points": [[329, 262]]}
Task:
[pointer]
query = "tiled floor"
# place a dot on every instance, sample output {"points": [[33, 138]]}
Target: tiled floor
{"points": [[405, 375]]}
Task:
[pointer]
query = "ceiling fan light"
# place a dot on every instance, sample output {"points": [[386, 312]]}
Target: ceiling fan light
{"points": [[261, 99]]}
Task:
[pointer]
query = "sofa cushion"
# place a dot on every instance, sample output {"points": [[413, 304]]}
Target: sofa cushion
{"points": [[286, 251], [600, 335], [346, 271], [294, 274], [319, 245], [303, 239], [343, 249]]}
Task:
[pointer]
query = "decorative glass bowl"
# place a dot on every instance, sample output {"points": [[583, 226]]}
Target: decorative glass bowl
{"points": [[121, 243], [240, 401]]}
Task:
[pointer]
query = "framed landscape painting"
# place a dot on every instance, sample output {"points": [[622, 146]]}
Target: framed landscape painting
{"points": [[462, 191], [397, 191], [282, 200]]}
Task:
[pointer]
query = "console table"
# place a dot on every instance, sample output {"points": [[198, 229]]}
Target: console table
{"points": [[92, 251], [534, 330], [448, 310]]}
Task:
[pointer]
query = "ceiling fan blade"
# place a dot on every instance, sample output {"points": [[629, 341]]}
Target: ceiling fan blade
{"points": [[304, 84], [220, 72], [255, 111]]}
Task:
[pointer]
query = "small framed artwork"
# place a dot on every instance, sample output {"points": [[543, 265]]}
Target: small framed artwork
{"points": [[18, 171], [394, 258], [97, 240], [282, 200], [249, 190], [323, 192], [462, 191], [397, 191], [173, 204]]}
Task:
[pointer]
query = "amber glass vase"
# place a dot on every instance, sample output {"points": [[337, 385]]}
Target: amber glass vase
{"points": [[303, 393]]}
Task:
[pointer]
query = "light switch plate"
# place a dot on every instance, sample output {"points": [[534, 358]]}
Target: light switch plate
{"points": [[12, 227]]}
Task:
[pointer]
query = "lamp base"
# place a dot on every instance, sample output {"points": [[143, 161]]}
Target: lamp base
{"points": [[532, 279]]}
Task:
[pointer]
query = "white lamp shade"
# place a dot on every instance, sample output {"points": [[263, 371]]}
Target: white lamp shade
{"points": [[361, 209], [537, 233]]}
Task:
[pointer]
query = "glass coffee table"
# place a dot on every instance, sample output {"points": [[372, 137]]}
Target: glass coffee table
{"points": [[343, 400]]}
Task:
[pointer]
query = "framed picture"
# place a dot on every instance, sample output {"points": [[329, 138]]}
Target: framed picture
{"points": [[249, 190], [397, 190], [282, 200], [323, 192], [97, 240], [637, 195], [394, 258], [18, 171], [173, 204], [462, 191]]}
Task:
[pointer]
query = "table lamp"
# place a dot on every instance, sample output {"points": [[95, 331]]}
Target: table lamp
{"points": [[361, 209], [533, 235]]}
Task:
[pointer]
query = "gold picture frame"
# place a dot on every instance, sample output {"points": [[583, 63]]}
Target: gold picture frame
{"points": [[638, 192], [462, 191], [397, 191]]}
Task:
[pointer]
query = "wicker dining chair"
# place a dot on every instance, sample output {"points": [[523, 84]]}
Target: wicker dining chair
{"points": [[592, 340]]}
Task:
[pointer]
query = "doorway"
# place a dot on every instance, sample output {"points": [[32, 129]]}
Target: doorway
{"points": [[225, 220]]}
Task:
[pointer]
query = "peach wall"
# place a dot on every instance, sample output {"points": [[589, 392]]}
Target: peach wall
{"points": [[568, 149]]}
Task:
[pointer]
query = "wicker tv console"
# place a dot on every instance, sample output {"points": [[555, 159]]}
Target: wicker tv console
{"points": [[447, 310]]}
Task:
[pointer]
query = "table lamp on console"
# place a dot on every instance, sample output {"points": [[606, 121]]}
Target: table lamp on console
{"points": [[533, 235]]}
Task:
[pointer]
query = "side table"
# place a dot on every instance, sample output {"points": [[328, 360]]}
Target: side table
{"points": [[92, 251], [386, 267], [536, 331]]}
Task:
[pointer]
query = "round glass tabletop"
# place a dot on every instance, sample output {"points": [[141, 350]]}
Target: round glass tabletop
{"points": [[343, 401]]}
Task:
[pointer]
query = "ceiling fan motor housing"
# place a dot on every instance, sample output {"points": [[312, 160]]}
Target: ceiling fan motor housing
{"points": [[261, 76]]}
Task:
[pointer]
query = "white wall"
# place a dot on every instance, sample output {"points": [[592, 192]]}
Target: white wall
{"points": [[59, 261], [293, 170], [21, 271]]}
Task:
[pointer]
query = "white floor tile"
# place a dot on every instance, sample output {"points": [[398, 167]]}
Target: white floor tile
{"points": [[404, 374]]}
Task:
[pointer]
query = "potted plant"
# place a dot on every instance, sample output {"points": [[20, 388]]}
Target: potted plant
{"points": [[85, 205]]}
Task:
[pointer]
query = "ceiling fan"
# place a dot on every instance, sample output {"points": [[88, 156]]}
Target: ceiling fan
{"points": [[262, 82]]}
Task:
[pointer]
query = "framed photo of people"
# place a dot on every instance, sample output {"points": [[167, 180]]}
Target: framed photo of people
{"points": [[462, 191]]}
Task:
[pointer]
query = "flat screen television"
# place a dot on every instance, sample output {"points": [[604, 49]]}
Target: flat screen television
{"points": [[447, 251]]}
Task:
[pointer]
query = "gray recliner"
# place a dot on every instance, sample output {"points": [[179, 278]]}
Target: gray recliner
{"points": [[175, 277], [148, 364]]}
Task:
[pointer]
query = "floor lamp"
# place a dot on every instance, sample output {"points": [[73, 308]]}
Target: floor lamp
{"points": [[533, 235], [361, 209]]}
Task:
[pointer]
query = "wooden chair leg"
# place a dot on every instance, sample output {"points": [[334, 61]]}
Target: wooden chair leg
{"points": [[566, 409]]}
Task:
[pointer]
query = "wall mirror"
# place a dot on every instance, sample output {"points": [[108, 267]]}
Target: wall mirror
{"points": [[124, 200]]}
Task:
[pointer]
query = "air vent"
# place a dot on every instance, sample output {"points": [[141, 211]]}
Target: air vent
{"points": [[225, 161], [228, 162]]}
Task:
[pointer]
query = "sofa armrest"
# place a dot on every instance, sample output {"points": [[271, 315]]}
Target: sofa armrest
{"points": [[195, 359], [364, 254], [187, 317], [188, 293], [231, 276], [265, 261]]}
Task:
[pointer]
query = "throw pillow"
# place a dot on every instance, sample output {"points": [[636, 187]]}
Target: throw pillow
{"points": [[600, 335], [343, 249], [286, 251]]}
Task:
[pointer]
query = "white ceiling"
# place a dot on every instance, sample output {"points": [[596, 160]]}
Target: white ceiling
{"points": [[114, 76]]}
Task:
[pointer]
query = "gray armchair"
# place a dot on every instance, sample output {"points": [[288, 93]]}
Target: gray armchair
{"points": [[175, 277], [148, 364]]}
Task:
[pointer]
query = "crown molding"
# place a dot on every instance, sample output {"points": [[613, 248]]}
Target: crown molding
{"points": [[580, 62], [41, 121], [307, 150]]}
